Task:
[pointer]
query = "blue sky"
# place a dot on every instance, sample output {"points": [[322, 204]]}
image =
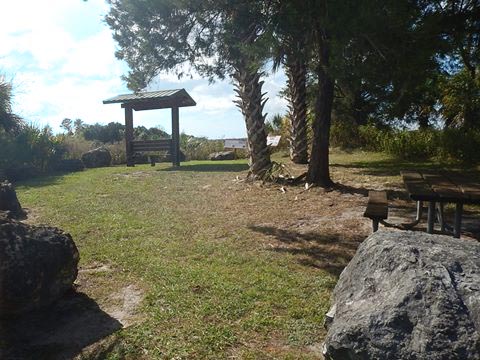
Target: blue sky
{"points": [[60, 56]]}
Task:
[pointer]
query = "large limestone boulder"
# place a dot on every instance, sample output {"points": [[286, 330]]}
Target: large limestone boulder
{"points": [[38, 264], [9, 202], [222, 155], [99, 157], [407, 295]]}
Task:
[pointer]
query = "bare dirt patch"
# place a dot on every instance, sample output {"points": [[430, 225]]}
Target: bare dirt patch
{"points": [[74, 324]]}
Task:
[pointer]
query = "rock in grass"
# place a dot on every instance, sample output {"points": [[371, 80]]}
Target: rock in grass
{"points": [[407, 295], [9, 201], [99, 157], [222, 155], [38, 264]]}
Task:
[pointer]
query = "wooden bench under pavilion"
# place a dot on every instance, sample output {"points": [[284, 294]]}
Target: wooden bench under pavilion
{"points": [[153, 100]]}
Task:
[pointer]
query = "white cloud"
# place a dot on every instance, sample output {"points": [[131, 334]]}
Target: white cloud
{"points": [[93, 56], [61, 57]]}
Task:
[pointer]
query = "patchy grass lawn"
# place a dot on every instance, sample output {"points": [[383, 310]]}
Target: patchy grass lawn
{"points": [[223, 268]]}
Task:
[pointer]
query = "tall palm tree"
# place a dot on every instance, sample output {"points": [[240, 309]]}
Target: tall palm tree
{"points": [[8, 120], [248, 87], [296, 70], [290, 51]]}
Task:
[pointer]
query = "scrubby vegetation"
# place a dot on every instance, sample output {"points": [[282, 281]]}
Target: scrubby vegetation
{"points": [[448, 145]]}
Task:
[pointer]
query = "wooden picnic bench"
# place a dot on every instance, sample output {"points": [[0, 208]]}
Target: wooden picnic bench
{"points": [[439, 188], [377, 207]]}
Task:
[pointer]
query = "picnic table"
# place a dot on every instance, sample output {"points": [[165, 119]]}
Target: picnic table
{"points": [[439, 188]]}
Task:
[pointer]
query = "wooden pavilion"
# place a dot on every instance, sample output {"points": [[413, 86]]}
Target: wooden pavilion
{"points": [[163, 99]]}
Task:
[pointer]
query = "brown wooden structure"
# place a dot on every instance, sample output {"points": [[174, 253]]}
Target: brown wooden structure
{"points": [[163, 99], [438, 188]]}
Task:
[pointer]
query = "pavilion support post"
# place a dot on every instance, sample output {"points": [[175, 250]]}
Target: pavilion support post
{"points": [[129, 135], [175, 137]]}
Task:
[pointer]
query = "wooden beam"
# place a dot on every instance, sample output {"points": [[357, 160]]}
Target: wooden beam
{"points": [[175, 137], [159, 104], [129, 135]]}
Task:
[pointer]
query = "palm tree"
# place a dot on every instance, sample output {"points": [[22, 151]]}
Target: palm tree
{"points": [[296, 70], [289, 50], [8, 120], [217, 39]]}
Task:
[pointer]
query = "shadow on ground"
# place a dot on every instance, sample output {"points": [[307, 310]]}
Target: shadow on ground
{"points": [[41, 180], [58, 332], [218, 167], [393, 167], [329, 252]]}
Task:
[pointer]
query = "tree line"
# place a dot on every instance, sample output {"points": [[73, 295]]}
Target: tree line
{"points": [[362, 61]]}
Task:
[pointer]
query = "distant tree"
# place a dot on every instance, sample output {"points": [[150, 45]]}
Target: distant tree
{"points": [[67, 126], [78, 126], [110, 133], [154, 133]]}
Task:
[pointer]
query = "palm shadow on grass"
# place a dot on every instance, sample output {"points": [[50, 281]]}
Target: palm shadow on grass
{"points": [[41, 180], [329, 252], [217, 167], [60, 331]]}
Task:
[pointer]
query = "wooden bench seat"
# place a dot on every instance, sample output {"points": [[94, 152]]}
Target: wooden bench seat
{"points": [[377, 207]]}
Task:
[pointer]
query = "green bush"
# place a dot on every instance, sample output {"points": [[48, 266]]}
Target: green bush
{"points": [[345, 135], [31, 147], [118, 152], [460, 144], [75, 146], [198, 148], [446, 145]]}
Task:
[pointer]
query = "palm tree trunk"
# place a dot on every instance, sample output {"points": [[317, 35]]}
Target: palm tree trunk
{"points": [[297, 76], [318, 169], [251, 102]]}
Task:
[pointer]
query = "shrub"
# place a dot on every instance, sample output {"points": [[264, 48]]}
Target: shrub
{"points": [[118, 152], [460, 144], [31, 147], [196, 148], [344, 134], [75, 146]]}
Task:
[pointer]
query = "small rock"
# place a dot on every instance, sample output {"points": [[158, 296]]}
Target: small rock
{"points": [[9, 201], [222, 155]]}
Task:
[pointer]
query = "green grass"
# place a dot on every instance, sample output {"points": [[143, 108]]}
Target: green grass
{"points": [[210, 253], [211, 288]]}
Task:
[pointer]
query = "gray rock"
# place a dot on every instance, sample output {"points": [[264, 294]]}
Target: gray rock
{"points": [[9, 201], [168, 157], [99, 157], [407, 295], [38, 264], [222, 155]]}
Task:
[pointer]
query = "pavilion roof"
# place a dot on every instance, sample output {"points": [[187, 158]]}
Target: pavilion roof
{"points": [[150, 100]]}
